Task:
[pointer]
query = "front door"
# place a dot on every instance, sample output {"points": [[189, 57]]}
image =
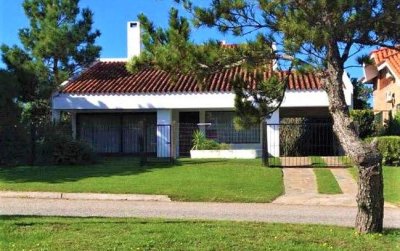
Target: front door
{"points": [[187, 125]]}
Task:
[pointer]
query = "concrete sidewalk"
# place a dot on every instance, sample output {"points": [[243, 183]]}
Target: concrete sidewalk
{"points": [[83, 196], [260, 212]]}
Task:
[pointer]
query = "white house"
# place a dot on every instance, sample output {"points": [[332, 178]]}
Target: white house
{"points": [[109, 106]]}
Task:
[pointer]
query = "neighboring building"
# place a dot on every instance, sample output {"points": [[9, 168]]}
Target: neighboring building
{"points": [[109, 106], [384, 74]]}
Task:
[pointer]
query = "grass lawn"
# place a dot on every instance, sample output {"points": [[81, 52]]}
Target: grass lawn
{"points": [[391, 183], [186, 180], [317, 161], [326, 181], [49, 233], [274, 162]]}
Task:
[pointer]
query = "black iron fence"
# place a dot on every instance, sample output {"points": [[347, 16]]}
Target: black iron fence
{"points": [[219, 132], [126, 134], [304, 144]]}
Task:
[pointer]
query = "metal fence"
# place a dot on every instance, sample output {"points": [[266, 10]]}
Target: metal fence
{"points": [[126, 134], [221, 133], [305, 144]]}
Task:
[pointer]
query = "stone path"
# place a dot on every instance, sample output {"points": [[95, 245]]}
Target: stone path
{"points": [[299, 181], [301, 189], [345, 180]]}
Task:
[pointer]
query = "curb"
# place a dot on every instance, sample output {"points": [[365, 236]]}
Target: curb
{"points": [[84, 196]]}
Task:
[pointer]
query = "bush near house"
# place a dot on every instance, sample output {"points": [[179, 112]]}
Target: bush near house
{"points": [[57, 148], [200, 142], [28, 136], [393, 124], [364, 121], [389, 147]]}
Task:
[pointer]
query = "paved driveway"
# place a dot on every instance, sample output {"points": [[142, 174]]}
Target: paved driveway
{"points": [[301, 189]]}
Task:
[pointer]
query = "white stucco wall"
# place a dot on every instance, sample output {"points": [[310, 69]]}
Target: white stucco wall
{"points": [[176, 101]]}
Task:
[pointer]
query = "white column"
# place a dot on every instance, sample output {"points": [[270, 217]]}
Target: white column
{"points": [[55, 115], [164, 122], [273, 134]]}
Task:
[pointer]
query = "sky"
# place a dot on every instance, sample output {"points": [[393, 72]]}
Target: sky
{"points": [[110, 17]]}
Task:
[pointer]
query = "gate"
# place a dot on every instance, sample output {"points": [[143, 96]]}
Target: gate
{"points": [[163, 144], [302, 145]]}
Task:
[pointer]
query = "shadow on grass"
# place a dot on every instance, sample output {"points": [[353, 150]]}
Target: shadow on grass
{"points": [[107, 167]]}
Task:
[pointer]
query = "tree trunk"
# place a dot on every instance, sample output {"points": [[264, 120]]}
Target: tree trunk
{"points": [[366, 157]]}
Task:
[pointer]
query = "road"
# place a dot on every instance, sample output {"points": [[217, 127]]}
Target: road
{"points": [[261, 212]]}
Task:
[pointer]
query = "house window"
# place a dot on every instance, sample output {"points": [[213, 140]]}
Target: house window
{"points": [[222, 129], [118, 133]]}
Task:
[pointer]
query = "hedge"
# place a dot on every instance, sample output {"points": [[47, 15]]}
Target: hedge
{"points": [[389, 147]]}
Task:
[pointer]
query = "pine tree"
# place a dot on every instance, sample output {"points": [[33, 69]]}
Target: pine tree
{"points": [[315, 35], [58, 44]]}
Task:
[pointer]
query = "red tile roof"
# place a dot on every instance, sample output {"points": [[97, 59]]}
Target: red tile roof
{"points": [[389, 56], [112, 77]]}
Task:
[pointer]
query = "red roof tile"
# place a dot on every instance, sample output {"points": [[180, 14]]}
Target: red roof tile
{"points": [[112, 77], [390, 56]]}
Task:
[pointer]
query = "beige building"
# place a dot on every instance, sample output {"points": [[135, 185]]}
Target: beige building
{"points": [[384, 74]]}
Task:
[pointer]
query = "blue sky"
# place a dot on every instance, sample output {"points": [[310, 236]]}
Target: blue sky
{"points": [[110, 17]]}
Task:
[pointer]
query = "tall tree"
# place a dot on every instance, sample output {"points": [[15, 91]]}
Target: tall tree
{"points": [[173, 51], [58, 43], [320, 34], [13, 138]]}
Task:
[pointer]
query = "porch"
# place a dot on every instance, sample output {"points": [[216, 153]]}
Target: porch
{"points": [[160, 133], [168, 133]]}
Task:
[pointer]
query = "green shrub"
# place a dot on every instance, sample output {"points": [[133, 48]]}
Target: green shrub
{"points": [[14, 145], [393, 124], [364, 121], [14, 136], [200, 142], [389, 147], [291, 136], [224, 146], [57, 148]]}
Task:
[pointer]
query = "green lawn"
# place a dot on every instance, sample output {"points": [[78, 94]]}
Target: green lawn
{"points": [[187, 180], [326, 181], [317, 161], [274, 162], [391, 183], [49, 233]]}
